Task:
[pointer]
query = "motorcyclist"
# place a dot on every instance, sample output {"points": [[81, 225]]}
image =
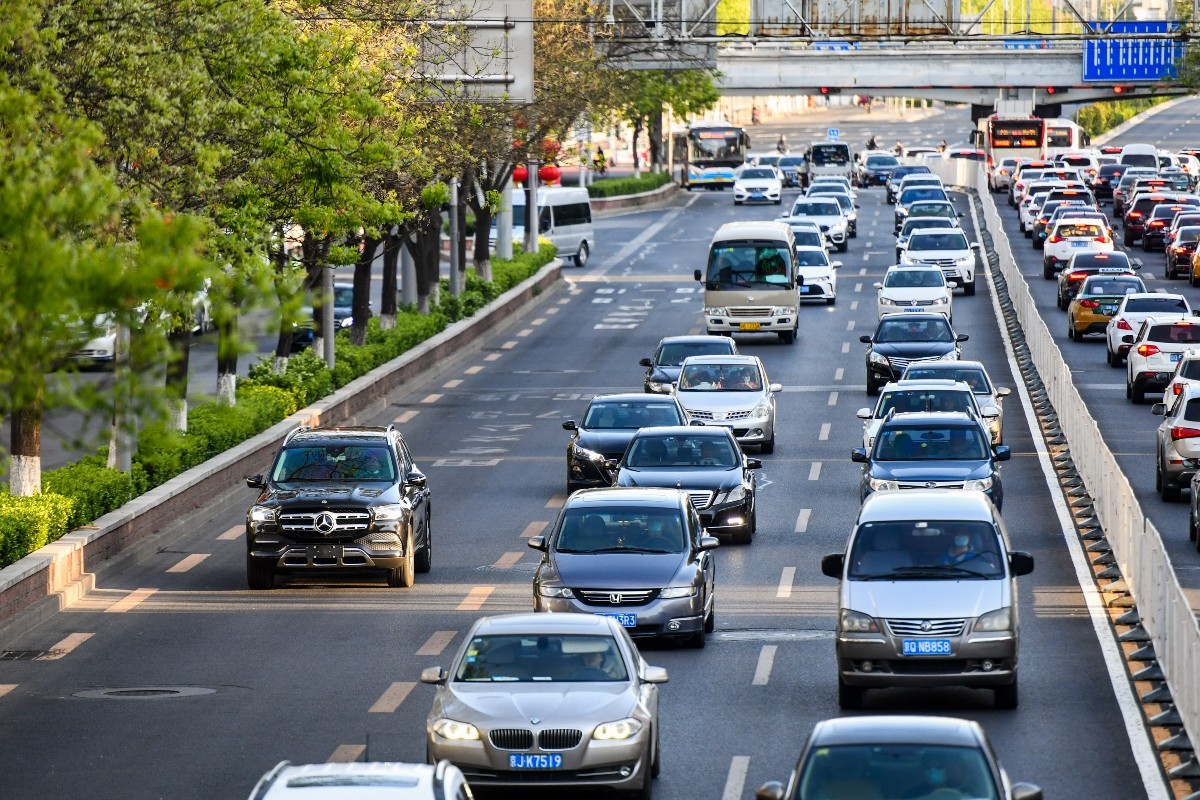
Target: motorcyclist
{"points": [[782, 144]]}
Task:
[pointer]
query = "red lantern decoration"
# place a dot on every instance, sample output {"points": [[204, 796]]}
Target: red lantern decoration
{"points": [[549, 175], [520, 175]]}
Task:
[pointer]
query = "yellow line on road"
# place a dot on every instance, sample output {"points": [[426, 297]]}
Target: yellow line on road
{"points": [[431, 398], [476, 598], [475, 370], [407, 416], [347, 753], [130, 601], [233, 533], [389, 701], [508, 560], [436, 643], [534, 528], [65, 647], [188, 562]]}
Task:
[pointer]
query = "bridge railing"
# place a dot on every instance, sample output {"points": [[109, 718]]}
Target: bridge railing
{"points": [[1136, 543]]}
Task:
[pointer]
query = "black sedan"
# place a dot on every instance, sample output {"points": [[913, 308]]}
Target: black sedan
{"points": [[903, 338], [610, 422], [662, 371], [706, 463]]}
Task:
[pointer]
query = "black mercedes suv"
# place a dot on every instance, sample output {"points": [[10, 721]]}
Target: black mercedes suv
{"points": [[339, 499]]}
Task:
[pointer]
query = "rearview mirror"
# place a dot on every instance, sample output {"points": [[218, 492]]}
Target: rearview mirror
{"points": [[1127, 339], [1003, 392], [991, 413], [858, 455], [655, 675], [833, 564], [645, 362], [709, 543], [976, 246], [877, 285], [696, 275], [434, 675], [837, 264], [570, 425], [962, 337], [775, 387], [865, 338], [864, 413], [1020, 563], [537, 543], [771, 790], [417, 479], [1003, 452], [256, 481], [753, 463], [1159, 409]]}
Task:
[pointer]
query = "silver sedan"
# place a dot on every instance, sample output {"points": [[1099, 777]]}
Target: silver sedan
{"points": [[548, 700]]}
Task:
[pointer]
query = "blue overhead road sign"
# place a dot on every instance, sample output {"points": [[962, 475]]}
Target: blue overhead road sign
{"points": [[833, 133], [1120, 60]]}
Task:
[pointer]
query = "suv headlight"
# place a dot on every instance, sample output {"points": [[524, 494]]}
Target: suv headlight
{"points": [[887, 301], [951, 356], [455, 730], [561, 592], [715, 311], [621, 729], [876, 358], [777, 311], [658, 386], [999, 620], [263, 514], [857, 622], [675, 592], [883, 485], [390, 513], [585, 454], [733, 495], [981, 485]]}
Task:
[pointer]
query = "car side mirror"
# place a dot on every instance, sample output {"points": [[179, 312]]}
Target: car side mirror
{"points": [[537, 543], [1020, 563], [655, 675], [960, 215], [1196, 312], [836, 264], [417, 479], [696, 275], [708, 543], [856, 205], [991, 413], [753, 463], [1127, 339], [771, 790], [570, 425], [256, 481], [611, 464], [962, 337], [645, 362], [699, 423], [775, 388], [864, 413], [1159, 409], [435, 676], [877, 285], [952, 284], [832, 565], [1026, 791], [976, 246], [865, 339], [1003, 452], [1003, 392], [858, 455]]}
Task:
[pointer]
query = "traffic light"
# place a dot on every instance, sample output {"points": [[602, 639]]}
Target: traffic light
{"points": [[1057, 89], [827, 90]]}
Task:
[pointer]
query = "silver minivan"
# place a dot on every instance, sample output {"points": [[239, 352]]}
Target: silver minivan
{"points": [[564, 217], [927, 596]]}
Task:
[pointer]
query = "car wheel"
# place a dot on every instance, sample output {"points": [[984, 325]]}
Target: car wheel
{"points": [[1006, 696], [1071, 330], [405, 575], [831, 300], [1192, 525], [841, 248], [425, 554], [1128, 239], [1039, 244], [1137, 395], [581, 255], [1192, 277], [259, 576], [744, 534], [768, 446], [1169, 270], [697, 641], [710, 622], [1158, 482], [787, 337], [780, 200], [1047, 271], [1170, 493], [737, 202], [850, 698], [656, 762], [872, 388], [969, 288]]}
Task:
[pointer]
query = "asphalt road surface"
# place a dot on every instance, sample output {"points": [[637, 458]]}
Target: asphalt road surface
{"points": [[321, 669]]}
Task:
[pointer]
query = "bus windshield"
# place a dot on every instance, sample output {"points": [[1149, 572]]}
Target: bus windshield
{"points": [[743, 264], [717, 146], [830, 155]]}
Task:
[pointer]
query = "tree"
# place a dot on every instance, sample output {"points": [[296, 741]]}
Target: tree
{"points": [[688, 92]]}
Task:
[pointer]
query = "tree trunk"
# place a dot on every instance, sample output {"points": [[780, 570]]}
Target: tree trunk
{"points": [[483, 250], [25, 474], [428, 257], [283, 344], [362, 290], [656, 140], [391, 261], [460, 236], [227, 360], [637, 162], [179, 342]]}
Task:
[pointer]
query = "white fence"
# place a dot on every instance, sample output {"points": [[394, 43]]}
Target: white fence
{"points": [[1136, 543]]}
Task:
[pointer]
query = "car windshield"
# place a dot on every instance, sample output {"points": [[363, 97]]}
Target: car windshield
{"points": [[812, 258], [914, 330], [343, 296], [938, 240], [816, 208], [608, 414], [921, 193], [1106, 286], [746, 264], [335, 463], [974, 377], [681, 451], [882, 161], [931, 443], [1115, 260], [916, 223], [909, 401], [927, 209], [902, 549], [542, 658], [1179, 333], [1156, 305], [720, 378], [758, 174], [1079, 229], [895, 770], [791, 161], [672, 354], [1190, 369], [1187, 235], [808, 238], [914, 279], [621, 529], [830, 155]]}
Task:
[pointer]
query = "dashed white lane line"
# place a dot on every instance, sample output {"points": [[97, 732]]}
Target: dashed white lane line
{"points": [[524, 332], [188, 562], [411, 414], [563, 301], [845, 347], [814, 472], [493, 357], [824, 435], [476, 598], [739, 766], [833, 398], [538, 321], [233, 533], [346, 753], [839, 374], [552, 310], [391, 699], [508, 560], [431, 398], [454, 384], [850, 325], [802, 520], [508, 345], [785, 582], [854, 305], [862, 271], [534, 528], [65, 647], [766, 660], [858, 287], [130, 601], [436, 643], [475, 370], [5, 688]]}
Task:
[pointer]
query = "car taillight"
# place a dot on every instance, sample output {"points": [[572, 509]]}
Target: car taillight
{"points": [[1089, 303], [1184, 433], [1157, 223], [1077, 276], [1043, 220], [1123, 325], [1054, 239], [1147, 350], [1134, 214], [1101, 239], [1177, 388]]}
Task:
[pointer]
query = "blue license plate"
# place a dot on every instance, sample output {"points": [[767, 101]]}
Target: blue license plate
{"points": [[626, 620], [1176, 357], [916, 310], [925, 647], [1109, 310], [535, 761], [1079, 244]]}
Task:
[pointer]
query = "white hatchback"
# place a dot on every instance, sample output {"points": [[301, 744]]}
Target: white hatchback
{"points": [[1074, 235], [1133, 310], [754, 184], [914, 289]]}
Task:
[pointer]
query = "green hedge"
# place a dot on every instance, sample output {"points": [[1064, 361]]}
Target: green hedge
{"points": [[615, 187], [1098, 118], [79, 493]]}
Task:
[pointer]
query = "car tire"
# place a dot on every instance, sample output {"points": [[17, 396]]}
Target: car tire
{"points": [[780, 200], [872, 388], [850, 698], [1170, 493], [841, 248], [1071, 331], [1128, 239], [1038, 244], [737, 202], [1047, 270], [405, 575], [425, 554], [1192, 277], [1007, 697], [829, 301], [768, 446], [656, 758], [581, 255], [710, 622], [697, 641], [1158, 478], [969, 288], [1137, 395], [1192, 531], [258, 576], [787, 337], [744, 534]]}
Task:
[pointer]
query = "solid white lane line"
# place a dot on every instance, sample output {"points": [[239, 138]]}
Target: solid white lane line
{"points": [[391, 699], [409, 415], [233, 533], [839, 374], [476, 598], [130, 601], [436, 643], [534, 528], [65, 647], [736, 782], [785, 582], [824, 435], [833, 397], [766, 660], [814, 472], [347, 753], [802, 520], [188, 562]]}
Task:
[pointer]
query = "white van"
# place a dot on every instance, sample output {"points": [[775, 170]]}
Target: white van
{"points": [[565, 215], [1139, 155], [751, 283]]}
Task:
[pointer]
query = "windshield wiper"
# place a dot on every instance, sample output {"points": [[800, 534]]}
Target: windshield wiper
{"points": [[628, 550], [937, 569]]}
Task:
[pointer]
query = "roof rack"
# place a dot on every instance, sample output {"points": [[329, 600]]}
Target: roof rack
{"points": [[265, 783], [294, 431]]}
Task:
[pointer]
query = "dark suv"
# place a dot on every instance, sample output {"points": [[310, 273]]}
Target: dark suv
{"points": [[901, 339], [339, 499]]}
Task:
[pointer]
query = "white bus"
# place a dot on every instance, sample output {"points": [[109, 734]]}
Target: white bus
{"points": [[710, 152], [1062, 136]]}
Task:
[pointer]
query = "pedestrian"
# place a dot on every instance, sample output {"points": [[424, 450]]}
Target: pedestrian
{"points": [[942, 147], [599, 162], [898, 149], [872, 143], [782, 145], [754, 115]]}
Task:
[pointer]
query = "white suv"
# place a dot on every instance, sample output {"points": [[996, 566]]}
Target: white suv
{"points": [[915, 289], [1074, 236], [380, 779], [947, 250], [1178, 443], [908, 397], [1154, 350], [1187, 373], [1135, 308]]}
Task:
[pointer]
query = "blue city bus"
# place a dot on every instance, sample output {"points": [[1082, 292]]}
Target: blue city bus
{"points": [[710, 153]]}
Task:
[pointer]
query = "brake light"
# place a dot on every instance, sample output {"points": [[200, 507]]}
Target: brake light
{"points": [[1184, 433], [1157, 223], [1101, 239], [1123, 325], [1089, 303], [1043, 220], [1077, 276], [1177, 388], [1055, 239], [1147, 350], [1134, 214]]}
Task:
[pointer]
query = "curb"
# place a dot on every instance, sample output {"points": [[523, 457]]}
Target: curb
{"points": [[1108, 136], [52, 577], [664, 195]]}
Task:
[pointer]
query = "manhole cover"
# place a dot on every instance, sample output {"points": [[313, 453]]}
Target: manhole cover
{"points": [[145, 692]]}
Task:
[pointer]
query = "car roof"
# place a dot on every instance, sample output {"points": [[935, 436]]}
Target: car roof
{"points": [[802, 222], [532, 622], [411, 780], [348, 435], [918, 419], [920, 504], [745, 229], [959, 364], [694, 339], [626, 495], [925, 383], [740, 359], [896, 729], [1152, 295], [914, 268], [1169, 319], [923, 316], [710, 431], [629, 397]]}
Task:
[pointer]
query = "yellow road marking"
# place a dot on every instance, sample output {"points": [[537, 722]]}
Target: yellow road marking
{"points": [[347, 753], [130, 601], [407, 416], [431, 398], [389, 701], [437, 643], [534, 528], [508, 560], [66, 646], [476, 598], [233, 533], [188, 562]]}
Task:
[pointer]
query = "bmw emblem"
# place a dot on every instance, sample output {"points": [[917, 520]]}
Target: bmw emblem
{"points": [[325, 523], [535, 721]]}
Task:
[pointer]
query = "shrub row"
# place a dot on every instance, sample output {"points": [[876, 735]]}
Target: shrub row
{"points": [[1098, 118], [81, 492], [614, 187]]}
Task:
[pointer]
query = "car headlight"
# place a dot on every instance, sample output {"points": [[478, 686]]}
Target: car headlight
{"points": [[951, 356], [777, 311], [762, 409], [857, 622], [887, 301], [455, 730], [733, 495], [390, 513], [876, 358], [263, 514], [561, 592], [674, 592], [966, 261], [584, 454], [883, 485], [621, 729], [656, 386], [715, 311], [980, 485], [999, 620]]}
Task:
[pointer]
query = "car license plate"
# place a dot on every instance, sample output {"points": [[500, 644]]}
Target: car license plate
{"points": [[1078, 244], [750, 326], [327, 551], [626, 620], [535, 761], [916, 310], [1176, 357], [925, 647], [1108, 310]]}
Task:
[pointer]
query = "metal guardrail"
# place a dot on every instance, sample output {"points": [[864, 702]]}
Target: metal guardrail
{"points": [[1136, 543]]}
